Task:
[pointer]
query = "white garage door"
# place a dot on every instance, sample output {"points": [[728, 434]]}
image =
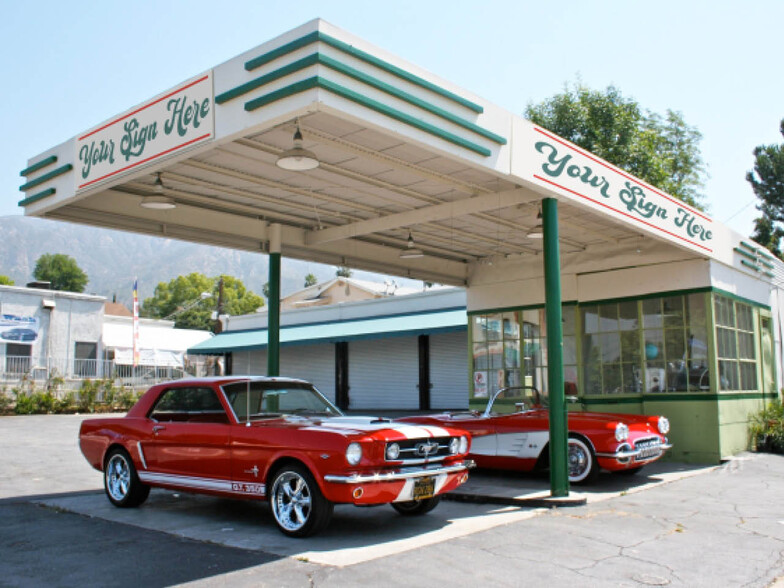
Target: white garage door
{"points": [[449, 370], [383, 374], [314, 363]]}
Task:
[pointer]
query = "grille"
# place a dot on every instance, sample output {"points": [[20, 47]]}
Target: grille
{"points": [[649, 447], [414, 451]]}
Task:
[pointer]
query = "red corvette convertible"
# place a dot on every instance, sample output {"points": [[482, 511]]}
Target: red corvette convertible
{"points": [[513, 434], [274, 439]]}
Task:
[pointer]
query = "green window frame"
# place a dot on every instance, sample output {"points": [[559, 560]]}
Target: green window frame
{"points": [[736, 348]]}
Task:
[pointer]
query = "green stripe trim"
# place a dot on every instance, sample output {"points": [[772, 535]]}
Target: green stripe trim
{"points": [[678, 397], [363, 56], [37, 197], [744, 253], [517, 308], [40, 165], [46, 177], [768, 274], [344, 92], [749, 247], [319, 59], [749, 265], [766, 264], [266, 79]]}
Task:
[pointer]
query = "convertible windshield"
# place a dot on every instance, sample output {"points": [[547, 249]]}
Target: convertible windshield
{"points": [[259, 400], [515, 399]]}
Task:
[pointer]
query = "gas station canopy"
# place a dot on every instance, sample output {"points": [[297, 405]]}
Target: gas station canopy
{"points": [[414, 176]]}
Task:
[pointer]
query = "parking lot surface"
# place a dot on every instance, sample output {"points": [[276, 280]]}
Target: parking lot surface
{"points": [[673, 525]]}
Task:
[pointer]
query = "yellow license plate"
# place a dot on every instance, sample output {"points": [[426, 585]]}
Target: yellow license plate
{"points": [[424, 488]]}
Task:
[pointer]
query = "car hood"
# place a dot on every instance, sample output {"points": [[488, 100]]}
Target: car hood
{"points": [[379, 427]]}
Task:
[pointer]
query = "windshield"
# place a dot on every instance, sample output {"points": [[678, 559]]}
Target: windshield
{"points": [[515, 399], [259, 400]]}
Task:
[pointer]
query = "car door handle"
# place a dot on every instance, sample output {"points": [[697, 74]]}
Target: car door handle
{"points": [[157, 428]]}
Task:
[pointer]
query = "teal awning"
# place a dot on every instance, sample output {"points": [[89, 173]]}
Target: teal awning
{"points": [[389, 326]]}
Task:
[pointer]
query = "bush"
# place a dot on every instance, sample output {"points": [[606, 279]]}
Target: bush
{"points": [[767, 428]]}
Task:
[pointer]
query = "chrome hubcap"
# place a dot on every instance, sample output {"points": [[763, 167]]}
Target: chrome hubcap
{"points": [[118, 477], [291, 501], [578, 460]]}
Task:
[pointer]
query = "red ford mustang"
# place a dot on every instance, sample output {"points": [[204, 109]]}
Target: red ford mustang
{"points": [[513, 434], [276, 439]]}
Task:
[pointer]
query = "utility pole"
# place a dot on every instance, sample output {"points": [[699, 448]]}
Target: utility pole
{"points": [[218, 325]]}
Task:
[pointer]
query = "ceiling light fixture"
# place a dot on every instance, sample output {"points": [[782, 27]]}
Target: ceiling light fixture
{"points": [[411, 251], [537, 231], [158, 201], [297, 158]]}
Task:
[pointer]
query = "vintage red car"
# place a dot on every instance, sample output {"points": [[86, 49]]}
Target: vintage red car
{"points": [[513, 434], [275, 439]]}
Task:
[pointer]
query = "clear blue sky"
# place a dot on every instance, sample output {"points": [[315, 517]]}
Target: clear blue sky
{"points": [[69, 65]]}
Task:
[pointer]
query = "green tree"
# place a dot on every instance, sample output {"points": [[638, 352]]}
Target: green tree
{"points": [[661, 150], [310, 280], [767, 181], [343, 272], [61, 270], [6, 281], [185, 300]]}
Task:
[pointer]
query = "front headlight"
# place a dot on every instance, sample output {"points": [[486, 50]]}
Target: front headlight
{"points": [[463, 444], [393, 451], [454, 445], [621, 432], [354, 453], [664, 425]]}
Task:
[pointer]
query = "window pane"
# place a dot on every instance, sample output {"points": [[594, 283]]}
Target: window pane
{"points": [[655, 376], [631, 378], [569, 350], [495, 354], [480, 356], [569, 320], [629, 320], [651, 313], [728, 375], [608, 318], [479, 328], [590, 316], [677, 376], [674, 346], [611, 347], [654, 345], [494, 326], [745, 345], [673, 311], [745, 317], [630, 346], [748, 376], [511, 326], [695, 310], [511, 354], [611, 374]]}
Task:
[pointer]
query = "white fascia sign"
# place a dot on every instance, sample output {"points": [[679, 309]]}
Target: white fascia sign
{"points": [[160, 128], [556, 164]]}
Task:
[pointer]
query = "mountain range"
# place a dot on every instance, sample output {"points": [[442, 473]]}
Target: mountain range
{"points": [[112, 259]]}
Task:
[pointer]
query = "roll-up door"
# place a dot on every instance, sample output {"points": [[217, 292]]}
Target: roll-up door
{"points": [[383, 374], [249, 363], [449, 370], [314, 363]]}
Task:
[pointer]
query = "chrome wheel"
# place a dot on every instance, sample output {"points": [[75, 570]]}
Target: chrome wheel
{"points": [[118, 477], [581, 461], [297, 504], [291, 501], [122, 484]]}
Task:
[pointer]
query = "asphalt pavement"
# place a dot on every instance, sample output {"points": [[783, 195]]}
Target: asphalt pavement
{"points": [[672, 525]]}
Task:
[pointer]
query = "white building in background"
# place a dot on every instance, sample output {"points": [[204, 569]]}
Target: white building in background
{"points": [[45, 333]]}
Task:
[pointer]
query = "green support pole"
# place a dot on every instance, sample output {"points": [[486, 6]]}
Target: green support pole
{"points": [[559, 467], [273, 316]]}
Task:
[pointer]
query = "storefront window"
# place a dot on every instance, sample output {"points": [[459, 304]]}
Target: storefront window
{"points": [[496, 352], [735, 344]]}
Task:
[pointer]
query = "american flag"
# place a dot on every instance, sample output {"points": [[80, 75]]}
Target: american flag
{"points": [[135, 323]]}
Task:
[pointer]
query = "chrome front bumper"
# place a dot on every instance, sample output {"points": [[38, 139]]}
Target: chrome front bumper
{"points": [[401, 474], [644, 453]]}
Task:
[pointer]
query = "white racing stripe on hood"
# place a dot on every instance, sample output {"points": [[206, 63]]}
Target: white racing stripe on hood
{"points": [[372, 424]]}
